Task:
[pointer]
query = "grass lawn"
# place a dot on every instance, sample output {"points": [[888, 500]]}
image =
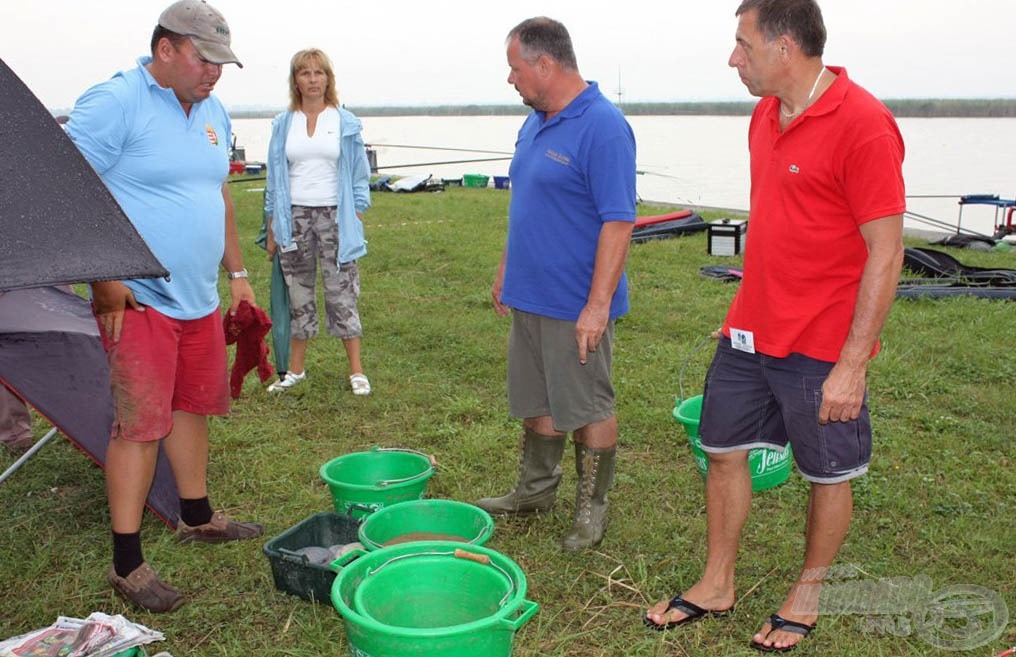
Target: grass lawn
{"points": [[937, 504]]}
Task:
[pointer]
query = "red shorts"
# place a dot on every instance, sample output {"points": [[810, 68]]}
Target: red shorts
{"points": [[161, 365]]}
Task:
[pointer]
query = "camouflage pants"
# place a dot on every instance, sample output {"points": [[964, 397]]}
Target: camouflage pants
{"points": [[316, 236]]}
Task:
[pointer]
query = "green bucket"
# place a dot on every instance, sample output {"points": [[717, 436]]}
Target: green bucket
{"points": [[769, 467], [363, 482], [426, 520], [431, 599]]}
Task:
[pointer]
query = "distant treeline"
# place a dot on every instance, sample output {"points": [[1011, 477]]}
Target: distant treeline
{"points": [[906, 107]]}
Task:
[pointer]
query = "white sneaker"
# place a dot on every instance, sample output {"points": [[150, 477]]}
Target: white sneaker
{"points": [[287, 382], [360, 384]]}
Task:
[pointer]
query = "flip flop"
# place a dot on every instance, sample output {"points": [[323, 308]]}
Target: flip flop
{"points": [[779, 623], [693, 611]]}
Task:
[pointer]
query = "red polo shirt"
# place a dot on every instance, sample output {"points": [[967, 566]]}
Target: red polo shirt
{"points": [[836, 166]]}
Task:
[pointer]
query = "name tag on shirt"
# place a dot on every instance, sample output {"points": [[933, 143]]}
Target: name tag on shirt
{"points": [[742, 340], [287, 249]]}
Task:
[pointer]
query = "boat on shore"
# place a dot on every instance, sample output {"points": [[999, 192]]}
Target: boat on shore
{"points": [[663, 226]]}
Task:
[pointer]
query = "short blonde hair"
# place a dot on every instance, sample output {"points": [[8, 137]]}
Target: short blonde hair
{"points": [[302, 60]]}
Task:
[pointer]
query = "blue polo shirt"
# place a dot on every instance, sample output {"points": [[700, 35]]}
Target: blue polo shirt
{"points": [[569, 175], [166, 169]]}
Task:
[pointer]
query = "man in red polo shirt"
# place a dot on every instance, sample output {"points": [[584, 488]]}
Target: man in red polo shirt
{"points": [[822, 259]]}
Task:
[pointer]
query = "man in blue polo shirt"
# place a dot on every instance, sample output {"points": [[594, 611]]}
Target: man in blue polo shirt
{"points": [[562, 274], [158, 139]]}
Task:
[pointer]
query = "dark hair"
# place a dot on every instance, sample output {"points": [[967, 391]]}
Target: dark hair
{"points": [[162, 33], [801, 20], [545, 36]]}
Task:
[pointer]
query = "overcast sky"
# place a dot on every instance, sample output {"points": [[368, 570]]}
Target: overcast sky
{"points": [[430, 52]]}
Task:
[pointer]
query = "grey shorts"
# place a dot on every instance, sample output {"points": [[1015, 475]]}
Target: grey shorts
{"points": [[545, 377], [316, 236], [754, 400]]}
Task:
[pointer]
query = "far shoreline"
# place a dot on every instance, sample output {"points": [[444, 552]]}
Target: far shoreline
{"points": [[901, 108], [955, 108]]}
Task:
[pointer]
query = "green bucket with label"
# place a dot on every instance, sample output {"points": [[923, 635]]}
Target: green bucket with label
{"points": [[363, 482], [769, 467], [430, 599]]}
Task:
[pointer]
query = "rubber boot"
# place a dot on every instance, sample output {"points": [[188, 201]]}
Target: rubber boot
{"points": [[539, 475], [595, 468]]}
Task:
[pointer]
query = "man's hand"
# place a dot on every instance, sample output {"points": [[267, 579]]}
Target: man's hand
{"points": [[589, 328], [240, 290], [498, 286], [109, 301], [842, 394], [495, 294]]}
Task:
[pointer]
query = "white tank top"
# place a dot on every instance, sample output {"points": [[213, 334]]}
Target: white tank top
{"points": [[314, 161]]}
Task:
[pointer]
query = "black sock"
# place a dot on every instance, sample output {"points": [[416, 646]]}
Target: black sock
{"points": [[195, 512], [127, 553]]}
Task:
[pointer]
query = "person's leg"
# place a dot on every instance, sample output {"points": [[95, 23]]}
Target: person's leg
{"points": [[595, 459], [187, 452], [142, 368], [581, 398], [728, 499], [738, 413], [352, 346], [541, 446], [130, 469], [341, 287], [828, 456], [830, 508], [201, 390], [299, 268], [598, 435], [297, 355]]}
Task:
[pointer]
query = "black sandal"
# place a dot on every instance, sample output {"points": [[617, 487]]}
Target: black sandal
{"points": [[693, 611], [779, 623]]}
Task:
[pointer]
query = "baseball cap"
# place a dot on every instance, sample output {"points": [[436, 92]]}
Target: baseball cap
{"points": [[204, 25]]}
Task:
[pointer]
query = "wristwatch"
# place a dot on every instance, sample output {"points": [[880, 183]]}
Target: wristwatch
{"points": [[233, 275]]}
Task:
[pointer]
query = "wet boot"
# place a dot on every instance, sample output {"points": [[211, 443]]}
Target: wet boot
{"points": [[539, 475], [595, 468]]}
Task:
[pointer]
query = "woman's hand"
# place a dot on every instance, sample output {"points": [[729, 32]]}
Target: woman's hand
{"points": [[270, 244]]}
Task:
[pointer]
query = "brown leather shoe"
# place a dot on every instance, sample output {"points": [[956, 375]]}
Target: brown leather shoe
{"points": [[218, 530], [144, 588]]}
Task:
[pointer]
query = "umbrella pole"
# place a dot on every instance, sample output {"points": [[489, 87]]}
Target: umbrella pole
{"points": [[27, 455]]}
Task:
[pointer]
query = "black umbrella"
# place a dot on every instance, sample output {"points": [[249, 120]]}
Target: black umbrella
{"points": [[60, 225], [52, 357], [58, 222]]}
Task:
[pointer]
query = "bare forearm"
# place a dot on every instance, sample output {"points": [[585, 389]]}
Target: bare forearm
{"points": [[611, 256], [876, 292]]}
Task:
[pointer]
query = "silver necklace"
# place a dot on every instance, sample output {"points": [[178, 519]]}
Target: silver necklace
{"points": [[807, 103]]}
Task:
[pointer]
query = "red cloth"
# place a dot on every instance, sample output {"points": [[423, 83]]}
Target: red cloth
{"points": [[247, 328]]}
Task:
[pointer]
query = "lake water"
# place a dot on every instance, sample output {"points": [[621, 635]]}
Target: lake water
{"points": [[699, 160]]}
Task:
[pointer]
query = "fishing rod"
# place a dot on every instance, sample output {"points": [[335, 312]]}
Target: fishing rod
{"points": [[941, 224], [465, 150], [434, 164], [653, 173]]}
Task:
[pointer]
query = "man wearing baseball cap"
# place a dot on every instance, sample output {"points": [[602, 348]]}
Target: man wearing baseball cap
{"points": [[159, 140]]}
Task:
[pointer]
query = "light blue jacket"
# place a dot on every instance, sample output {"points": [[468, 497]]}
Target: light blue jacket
{"points": [[354, 185]]}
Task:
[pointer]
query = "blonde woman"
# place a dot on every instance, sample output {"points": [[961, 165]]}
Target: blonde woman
{"points": [[317, 190]]}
